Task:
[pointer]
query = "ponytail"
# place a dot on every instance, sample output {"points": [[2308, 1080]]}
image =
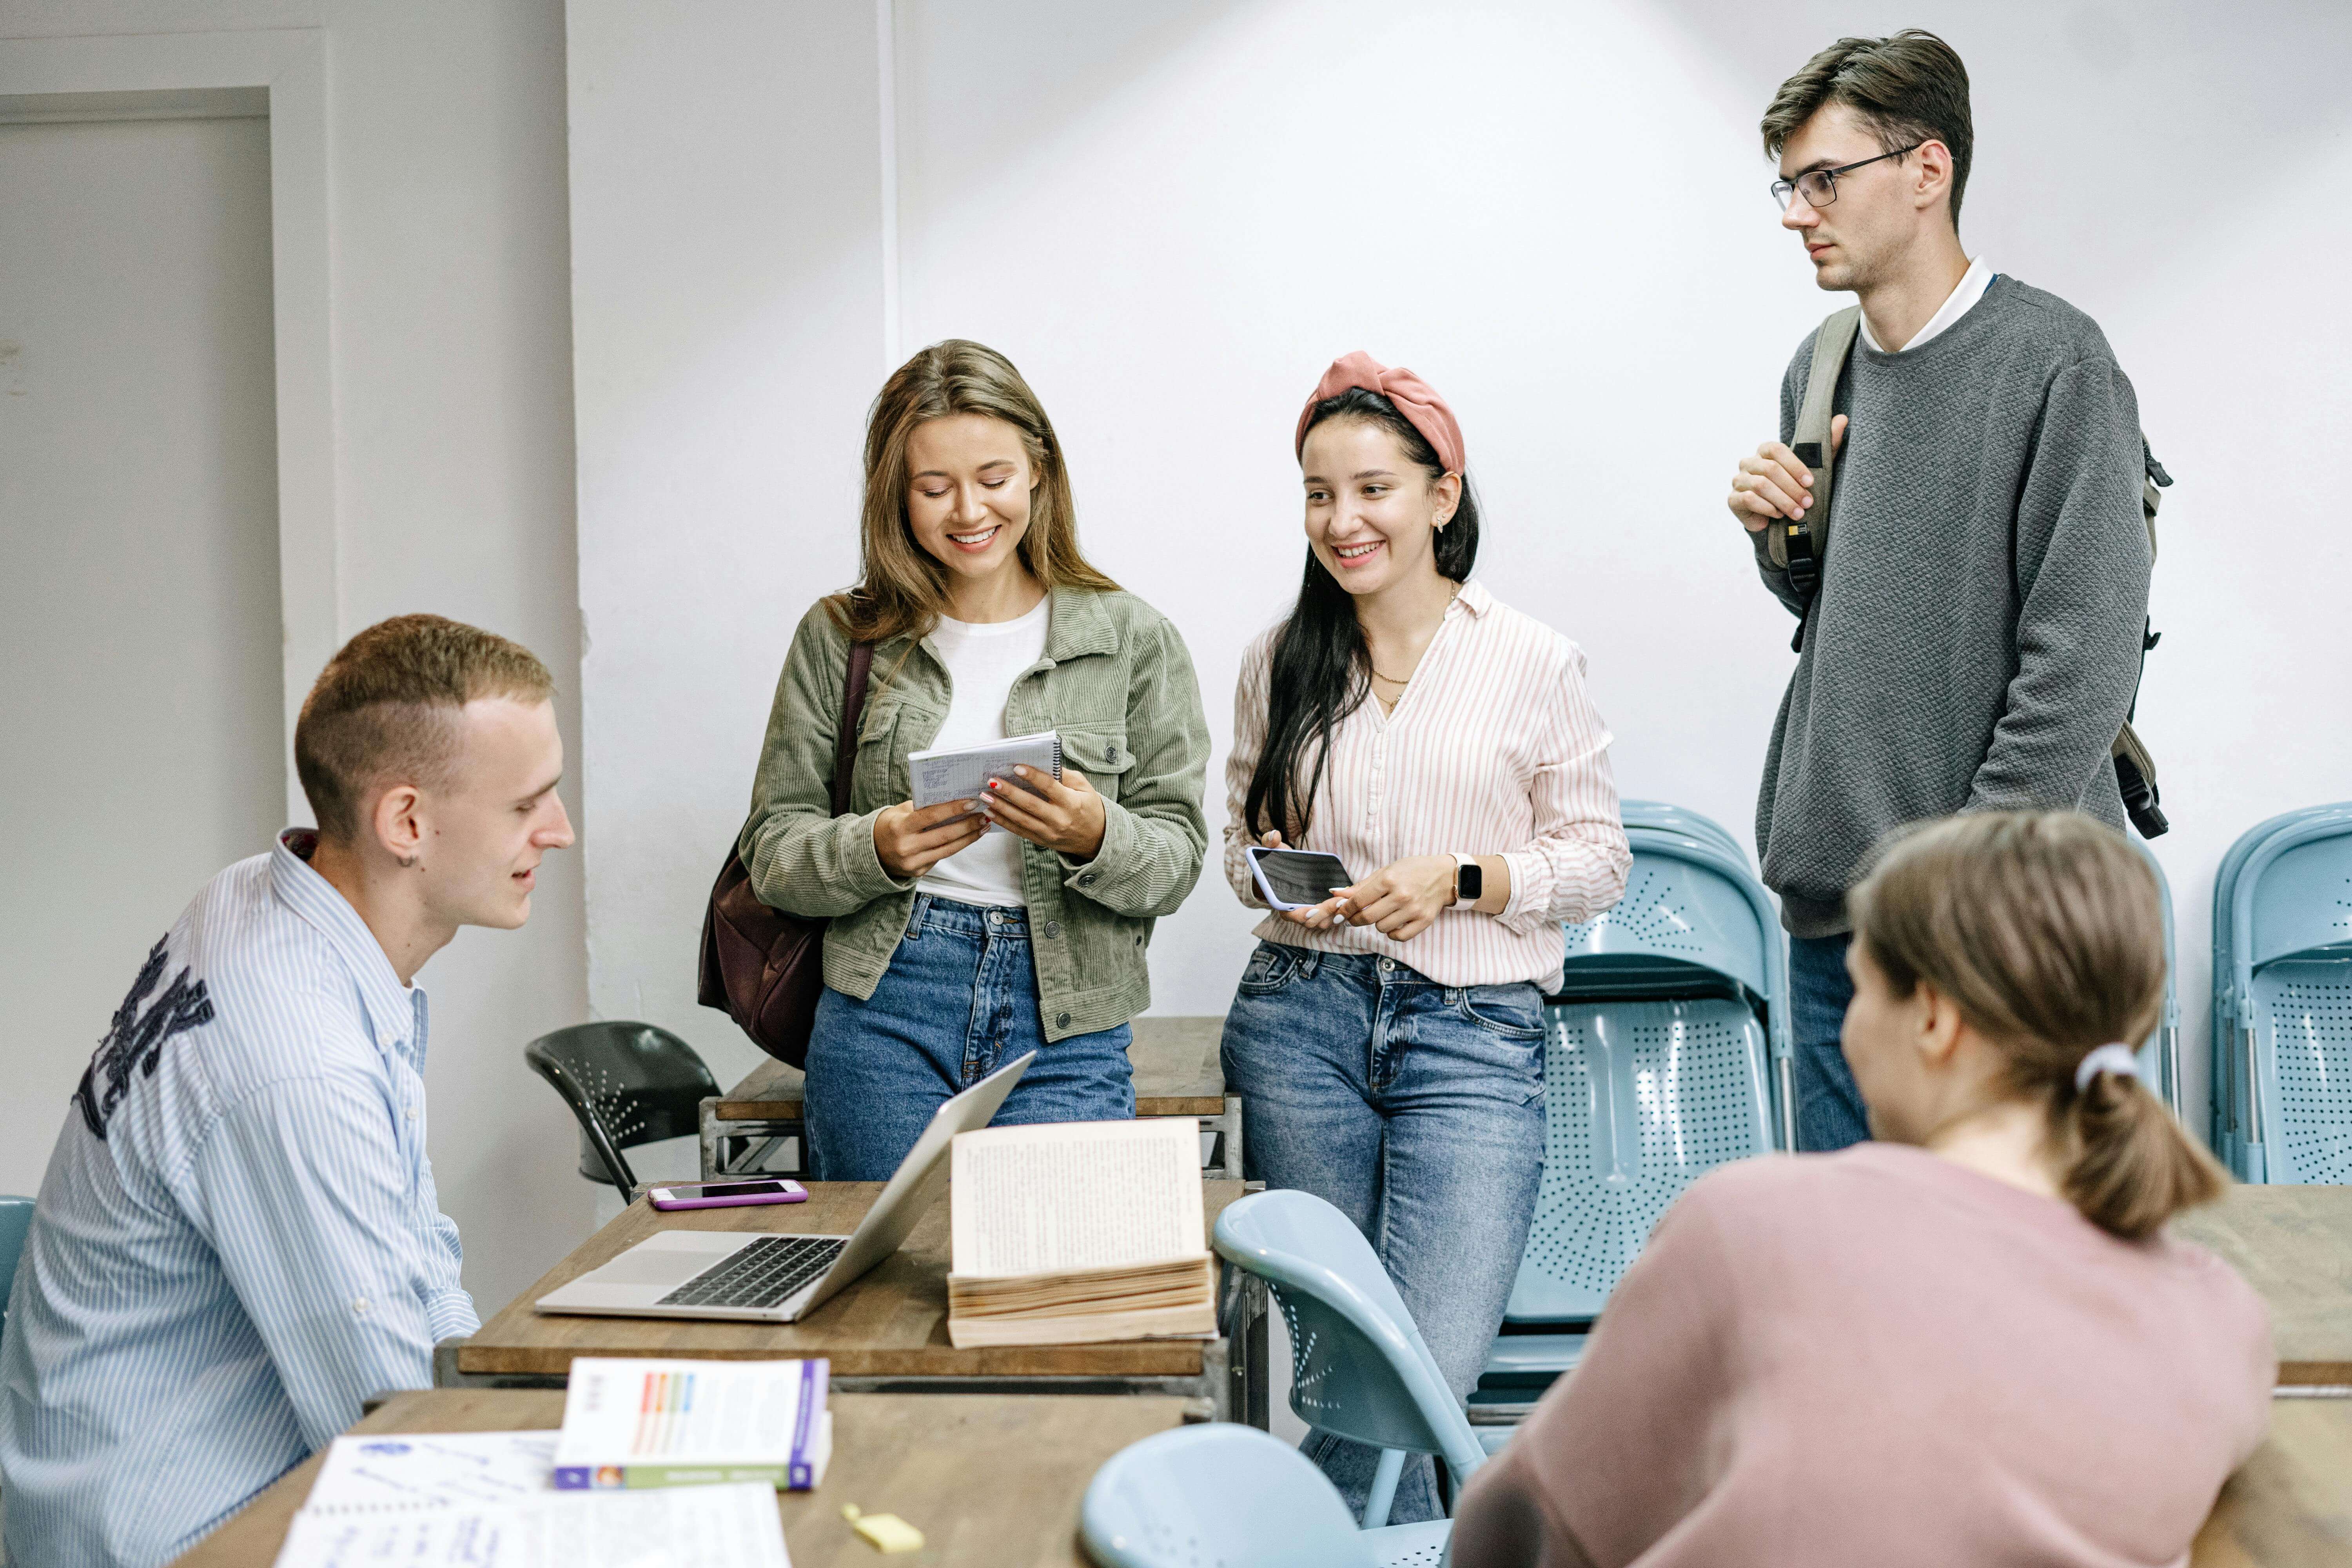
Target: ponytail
{"points": [[2133, 1166], [2046, 931]]}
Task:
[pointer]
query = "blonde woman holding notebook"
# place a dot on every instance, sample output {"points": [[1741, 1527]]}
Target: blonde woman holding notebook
{"points": [[953, 948], [1388, 1042]]}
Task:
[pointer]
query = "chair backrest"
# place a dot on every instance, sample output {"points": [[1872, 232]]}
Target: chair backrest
{"points": [[1358, 1367], [16, 1221], [628, 1084], [1667, 816], [1216, 1496], [1641, 1099]]}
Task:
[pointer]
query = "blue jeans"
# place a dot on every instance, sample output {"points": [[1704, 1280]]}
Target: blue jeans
{"points": [[959, 1000], [1416, 1110], [1829, 1107]]}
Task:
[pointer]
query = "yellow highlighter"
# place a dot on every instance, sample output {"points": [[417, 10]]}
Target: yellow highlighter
{"points": [[886, 1532]]}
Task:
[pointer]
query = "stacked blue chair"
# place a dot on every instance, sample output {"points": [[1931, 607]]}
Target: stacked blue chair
{"points": [[15, 1224], [2282, 999], [1359, 1366], [1667, 1053], [1222, 1496], [2159, 1059]]}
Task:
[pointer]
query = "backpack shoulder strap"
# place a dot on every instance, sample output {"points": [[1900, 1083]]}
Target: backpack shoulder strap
{"points": [[853, 709], [1800, 547]]}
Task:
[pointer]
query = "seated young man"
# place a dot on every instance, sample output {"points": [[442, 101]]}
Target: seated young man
{"points": [[237, 1239]]}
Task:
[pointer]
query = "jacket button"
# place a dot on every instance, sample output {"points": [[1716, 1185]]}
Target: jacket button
{"points": [[1086, 881], [1061, 1020], [1052, 928]]}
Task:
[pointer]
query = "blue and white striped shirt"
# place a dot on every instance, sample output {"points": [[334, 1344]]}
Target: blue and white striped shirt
{"points": [[238, 1238]]}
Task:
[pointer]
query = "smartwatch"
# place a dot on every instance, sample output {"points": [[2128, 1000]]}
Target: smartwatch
{"points": [[1469, 880]]}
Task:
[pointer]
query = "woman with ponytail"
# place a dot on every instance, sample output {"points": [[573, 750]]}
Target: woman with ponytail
{"points": [[1388, 1041], [1970, 1341]]}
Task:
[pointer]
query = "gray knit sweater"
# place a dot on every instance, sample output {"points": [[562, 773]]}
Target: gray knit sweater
{"points": [[1976, 640]]}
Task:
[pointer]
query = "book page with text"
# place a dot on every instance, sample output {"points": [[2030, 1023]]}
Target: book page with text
{"points": [[1076, 1195]]}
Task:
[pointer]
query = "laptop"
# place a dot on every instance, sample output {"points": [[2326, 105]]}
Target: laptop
{"points": [[773, 1278]]}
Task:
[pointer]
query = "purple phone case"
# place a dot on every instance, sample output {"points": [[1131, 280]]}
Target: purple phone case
{"points": [[738, 1200]]}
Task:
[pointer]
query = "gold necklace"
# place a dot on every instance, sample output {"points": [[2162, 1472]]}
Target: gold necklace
{"points": [[1391, 679]]}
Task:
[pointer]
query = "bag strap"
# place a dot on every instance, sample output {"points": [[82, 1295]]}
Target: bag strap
{"points": [[1799, 548], [852, 709]]}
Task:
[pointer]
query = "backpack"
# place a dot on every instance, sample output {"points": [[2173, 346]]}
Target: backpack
{"points": [[1800, 548]]}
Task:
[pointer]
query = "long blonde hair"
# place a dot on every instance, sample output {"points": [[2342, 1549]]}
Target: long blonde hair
{"points": [[2047, 929], [902, 589]]}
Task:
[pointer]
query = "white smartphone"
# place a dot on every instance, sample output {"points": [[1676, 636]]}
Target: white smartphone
{"points": [[1297, 878]]}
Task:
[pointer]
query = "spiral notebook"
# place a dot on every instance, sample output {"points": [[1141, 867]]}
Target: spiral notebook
{"points": [[962, 774]]}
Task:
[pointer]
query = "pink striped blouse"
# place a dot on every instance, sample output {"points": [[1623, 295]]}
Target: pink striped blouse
{"points": [[1494, 748]]}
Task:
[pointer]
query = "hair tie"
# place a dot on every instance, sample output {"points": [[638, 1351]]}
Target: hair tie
{"points": [[1415, 398], [2119, 1059]]}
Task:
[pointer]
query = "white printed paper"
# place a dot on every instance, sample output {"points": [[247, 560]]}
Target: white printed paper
{"points": [[963, 774], [687, 1526], [434, 1469]]}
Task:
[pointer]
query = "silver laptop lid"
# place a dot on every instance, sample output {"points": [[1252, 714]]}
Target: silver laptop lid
{"points": [[915, 1185]]}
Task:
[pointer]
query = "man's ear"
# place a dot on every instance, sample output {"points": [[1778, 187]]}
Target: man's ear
{"points": [[1935, 1026], [399, 822], [1933, 181]]}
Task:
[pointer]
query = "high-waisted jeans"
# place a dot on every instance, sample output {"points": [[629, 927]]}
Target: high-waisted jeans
{"points": [[1416, 1110], [959, 1000]]}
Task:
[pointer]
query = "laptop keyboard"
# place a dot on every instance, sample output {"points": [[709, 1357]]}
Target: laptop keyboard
{"points": [[764, 1274]]}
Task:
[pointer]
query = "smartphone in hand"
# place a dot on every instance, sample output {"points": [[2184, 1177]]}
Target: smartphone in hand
{"points": [[1297, 878]]}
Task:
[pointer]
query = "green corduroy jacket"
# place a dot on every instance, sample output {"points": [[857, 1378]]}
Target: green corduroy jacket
{"points": [[1115, 683]]}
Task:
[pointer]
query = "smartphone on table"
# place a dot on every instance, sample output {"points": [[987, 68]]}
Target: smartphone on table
{"points": [[1297, 878], [726, 1195]]}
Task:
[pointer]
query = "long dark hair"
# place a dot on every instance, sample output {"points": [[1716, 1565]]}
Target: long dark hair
{"points": [[1321, 669]]}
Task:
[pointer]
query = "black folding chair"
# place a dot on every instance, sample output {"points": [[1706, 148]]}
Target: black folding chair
{"points": [[628, 1084]]}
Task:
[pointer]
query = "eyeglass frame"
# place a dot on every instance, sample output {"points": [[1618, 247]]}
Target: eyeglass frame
{"points": [[1792, 187]]}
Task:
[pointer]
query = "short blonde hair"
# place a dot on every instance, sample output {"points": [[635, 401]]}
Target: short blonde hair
{"points": [[385, 709], [2046, 931]]}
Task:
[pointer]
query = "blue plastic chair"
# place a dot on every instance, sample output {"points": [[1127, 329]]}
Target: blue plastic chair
{"points": [[1358, 1367], [1667, 1054], [2159, 1059], [2283, 1000], [1667, 816], [16, 1221], [1222, 1496]]}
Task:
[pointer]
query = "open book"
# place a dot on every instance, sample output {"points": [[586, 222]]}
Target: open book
{"points": [[1079, 1231]]}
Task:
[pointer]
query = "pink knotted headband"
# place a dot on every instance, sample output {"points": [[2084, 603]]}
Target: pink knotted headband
{"points": [[1415, 398]]}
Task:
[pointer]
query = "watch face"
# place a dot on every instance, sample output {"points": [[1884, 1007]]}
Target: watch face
{"points": [[1470, 883]]}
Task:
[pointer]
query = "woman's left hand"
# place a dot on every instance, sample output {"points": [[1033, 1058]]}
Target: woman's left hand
{"points": [[1403, 896], [1065, 815]]}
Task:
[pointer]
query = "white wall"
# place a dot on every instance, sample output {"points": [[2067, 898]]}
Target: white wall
{"points": [[1171, 218], [452, 490]]}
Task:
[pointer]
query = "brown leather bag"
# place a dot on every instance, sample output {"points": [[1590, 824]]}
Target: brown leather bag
{"points": [[762, 967]]}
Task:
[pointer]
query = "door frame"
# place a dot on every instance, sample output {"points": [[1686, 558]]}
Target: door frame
{"points": [[279, 73]]}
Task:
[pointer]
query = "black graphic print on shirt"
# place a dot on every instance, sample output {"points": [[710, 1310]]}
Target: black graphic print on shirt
{"points": [[136, 1038]]}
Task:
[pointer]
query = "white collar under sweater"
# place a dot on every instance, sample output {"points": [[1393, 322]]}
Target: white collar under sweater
{"points": [[1966, 293]]}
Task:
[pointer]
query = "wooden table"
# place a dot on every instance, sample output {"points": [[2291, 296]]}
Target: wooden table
{"points": [[1177, 1073], [887, 1332], [2293, 1245], [2290, 1505], [987, 1478]]}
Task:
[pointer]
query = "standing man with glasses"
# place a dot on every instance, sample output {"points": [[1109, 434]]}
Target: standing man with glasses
{"points": [[1970, 639]]}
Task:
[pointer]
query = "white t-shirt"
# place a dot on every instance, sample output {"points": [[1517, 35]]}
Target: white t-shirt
{"points": [[1957, 303], [983, 661]]}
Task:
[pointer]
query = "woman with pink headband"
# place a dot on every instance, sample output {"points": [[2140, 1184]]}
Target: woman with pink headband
{"points": [[1389, 1039]]}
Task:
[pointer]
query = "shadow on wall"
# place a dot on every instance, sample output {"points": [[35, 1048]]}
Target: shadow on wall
{"points": [[2202, 106]]}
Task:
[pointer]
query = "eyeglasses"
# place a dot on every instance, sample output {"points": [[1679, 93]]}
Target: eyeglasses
{"points": [[1819, 186]]}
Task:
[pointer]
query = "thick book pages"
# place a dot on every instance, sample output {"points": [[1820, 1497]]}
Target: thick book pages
{"points": [[694, 1423], [1079, 1232]]}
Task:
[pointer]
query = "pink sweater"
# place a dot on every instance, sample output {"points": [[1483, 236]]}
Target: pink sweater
{"points": [[1878, 1357]]}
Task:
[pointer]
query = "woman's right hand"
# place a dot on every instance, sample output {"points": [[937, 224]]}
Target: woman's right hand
{"points": [[1314, 917], [910, 842]]}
